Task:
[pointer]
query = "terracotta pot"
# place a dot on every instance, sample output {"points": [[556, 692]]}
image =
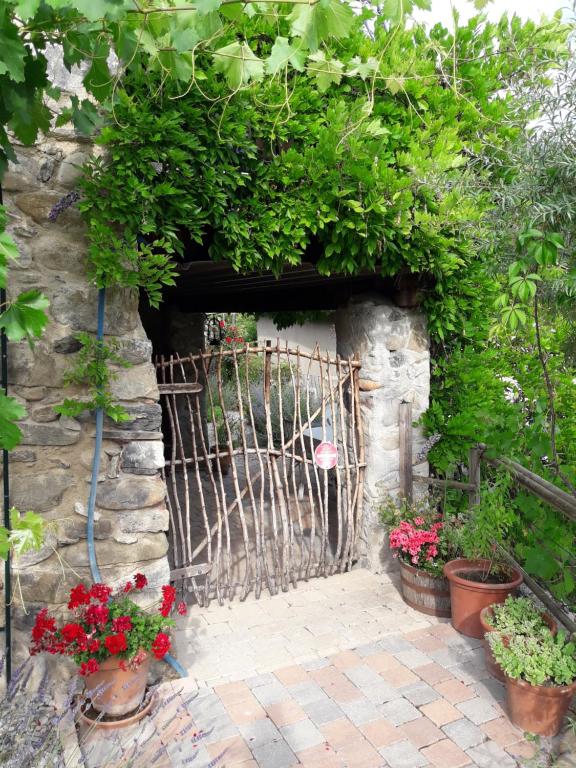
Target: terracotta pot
{"points": [[469, 597], [87, 724], [115, 691], [424, 592], [539, 709], [491, 664]]}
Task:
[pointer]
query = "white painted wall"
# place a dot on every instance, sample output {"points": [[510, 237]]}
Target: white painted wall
{"points": [[303, 336]]}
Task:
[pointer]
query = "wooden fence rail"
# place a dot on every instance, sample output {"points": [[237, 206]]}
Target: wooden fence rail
{"points": [[545, 490]]}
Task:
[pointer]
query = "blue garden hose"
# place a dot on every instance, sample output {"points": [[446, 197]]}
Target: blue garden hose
{"points": [[94, 569]]}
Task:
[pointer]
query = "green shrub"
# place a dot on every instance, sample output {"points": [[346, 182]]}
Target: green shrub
{"points": [[517, 616], [541, 660]]}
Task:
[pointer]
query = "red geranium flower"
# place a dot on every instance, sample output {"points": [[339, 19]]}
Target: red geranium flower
{"points": [[97, 614], [140, 581], [128, 587], [182, 610], [100, 592], [168, 598], [161, 645], [42, 625], [94, 645], [72, 632], [89, 667], [122, 624], [116, 643], [78, 596]]}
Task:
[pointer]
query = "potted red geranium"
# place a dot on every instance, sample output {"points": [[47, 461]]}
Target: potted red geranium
{"points": [[111, 639], [416, 541]]}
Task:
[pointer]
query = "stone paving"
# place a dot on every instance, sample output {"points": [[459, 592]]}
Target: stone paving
{"points": [[319, 618], [412, 693]]}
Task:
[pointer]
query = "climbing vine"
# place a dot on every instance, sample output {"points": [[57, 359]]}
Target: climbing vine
{"points": [[370, 174]]}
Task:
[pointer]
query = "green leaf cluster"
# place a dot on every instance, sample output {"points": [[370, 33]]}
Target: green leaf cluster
{"points": [[539, 660], [356, 174], [517, 616], [26, 533], [92, 370]]}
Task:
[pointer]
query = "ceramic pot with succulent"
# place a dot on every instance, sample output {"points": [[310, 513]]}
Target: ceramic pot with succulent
{"points": [[480, 576], [515, 616], [540, 679], [415, 538], [112, 639]]}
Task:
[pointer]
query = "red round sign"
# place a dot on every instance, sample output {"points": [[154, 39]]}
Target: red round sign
{"points": [[326, 455]]}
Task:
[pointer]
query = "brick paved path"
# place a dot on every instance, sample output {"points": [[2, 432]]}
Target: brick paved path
{"points": [[421, 697]]}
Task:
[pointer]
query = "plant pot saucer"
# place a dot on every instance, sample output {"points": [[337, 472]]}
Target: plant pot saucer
{"points": [[90, 718]]}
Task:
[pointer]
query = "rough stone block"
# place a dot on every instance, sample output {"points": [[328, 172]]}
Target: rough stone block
{"points": [[136, 383], [48, 434], [152, 519], [144, 417], [130, 493], [135, 351], [148, 547], [41, 491], [70, 171], [143, 458], [38, 205], [61, 252], [76, 305]]}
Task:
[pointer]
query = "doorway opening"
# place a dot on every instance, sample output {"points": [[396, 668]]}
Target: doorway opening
{"points": [[251, 508]]}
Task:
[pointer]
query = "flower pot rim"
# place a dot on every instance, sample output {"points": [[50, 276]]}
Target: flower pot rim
{"points": [[120, 723], [543, 690], [463, 563], [415, 569]]}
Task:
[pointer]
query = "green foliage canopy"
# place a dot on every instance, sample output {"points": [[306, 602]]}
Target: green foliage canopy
{"points": [[368, 173]]}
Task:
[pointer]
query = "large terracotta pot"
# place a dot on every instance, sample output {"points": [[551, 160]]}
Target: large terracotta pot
{"points": [[469, 597], [539, 709], [115, 691], [425, 592], [491, 664]]}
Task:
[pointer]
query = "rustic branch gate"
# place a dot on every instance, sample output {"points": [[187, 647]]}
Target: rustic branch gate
{"points": [[248, 505]]}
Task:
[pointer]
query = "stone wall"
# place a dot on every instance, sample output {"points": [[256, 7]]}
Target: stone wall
{"points": [[393, 347], [51, 469]]}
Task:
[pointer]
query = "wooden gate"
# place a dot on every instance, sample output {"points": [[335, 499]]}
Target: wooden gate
{"points": [[249, 507]]}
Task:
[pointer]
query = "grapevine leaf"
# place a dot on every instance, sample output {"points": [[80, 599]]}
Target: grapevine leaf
{"points": [[8, 251], [27, 532], [98, 79], [238, 63], [12, 51], [363, 69], [25, 317], [207, 6], [282, 54], [4, 543], [326, 71], [10, 412], [316, 23], [27, 8]]}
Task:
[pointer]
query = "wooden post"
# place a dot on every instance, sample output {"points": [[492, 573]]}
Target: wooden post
{"points": [[474, 463], [405, 425]]}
